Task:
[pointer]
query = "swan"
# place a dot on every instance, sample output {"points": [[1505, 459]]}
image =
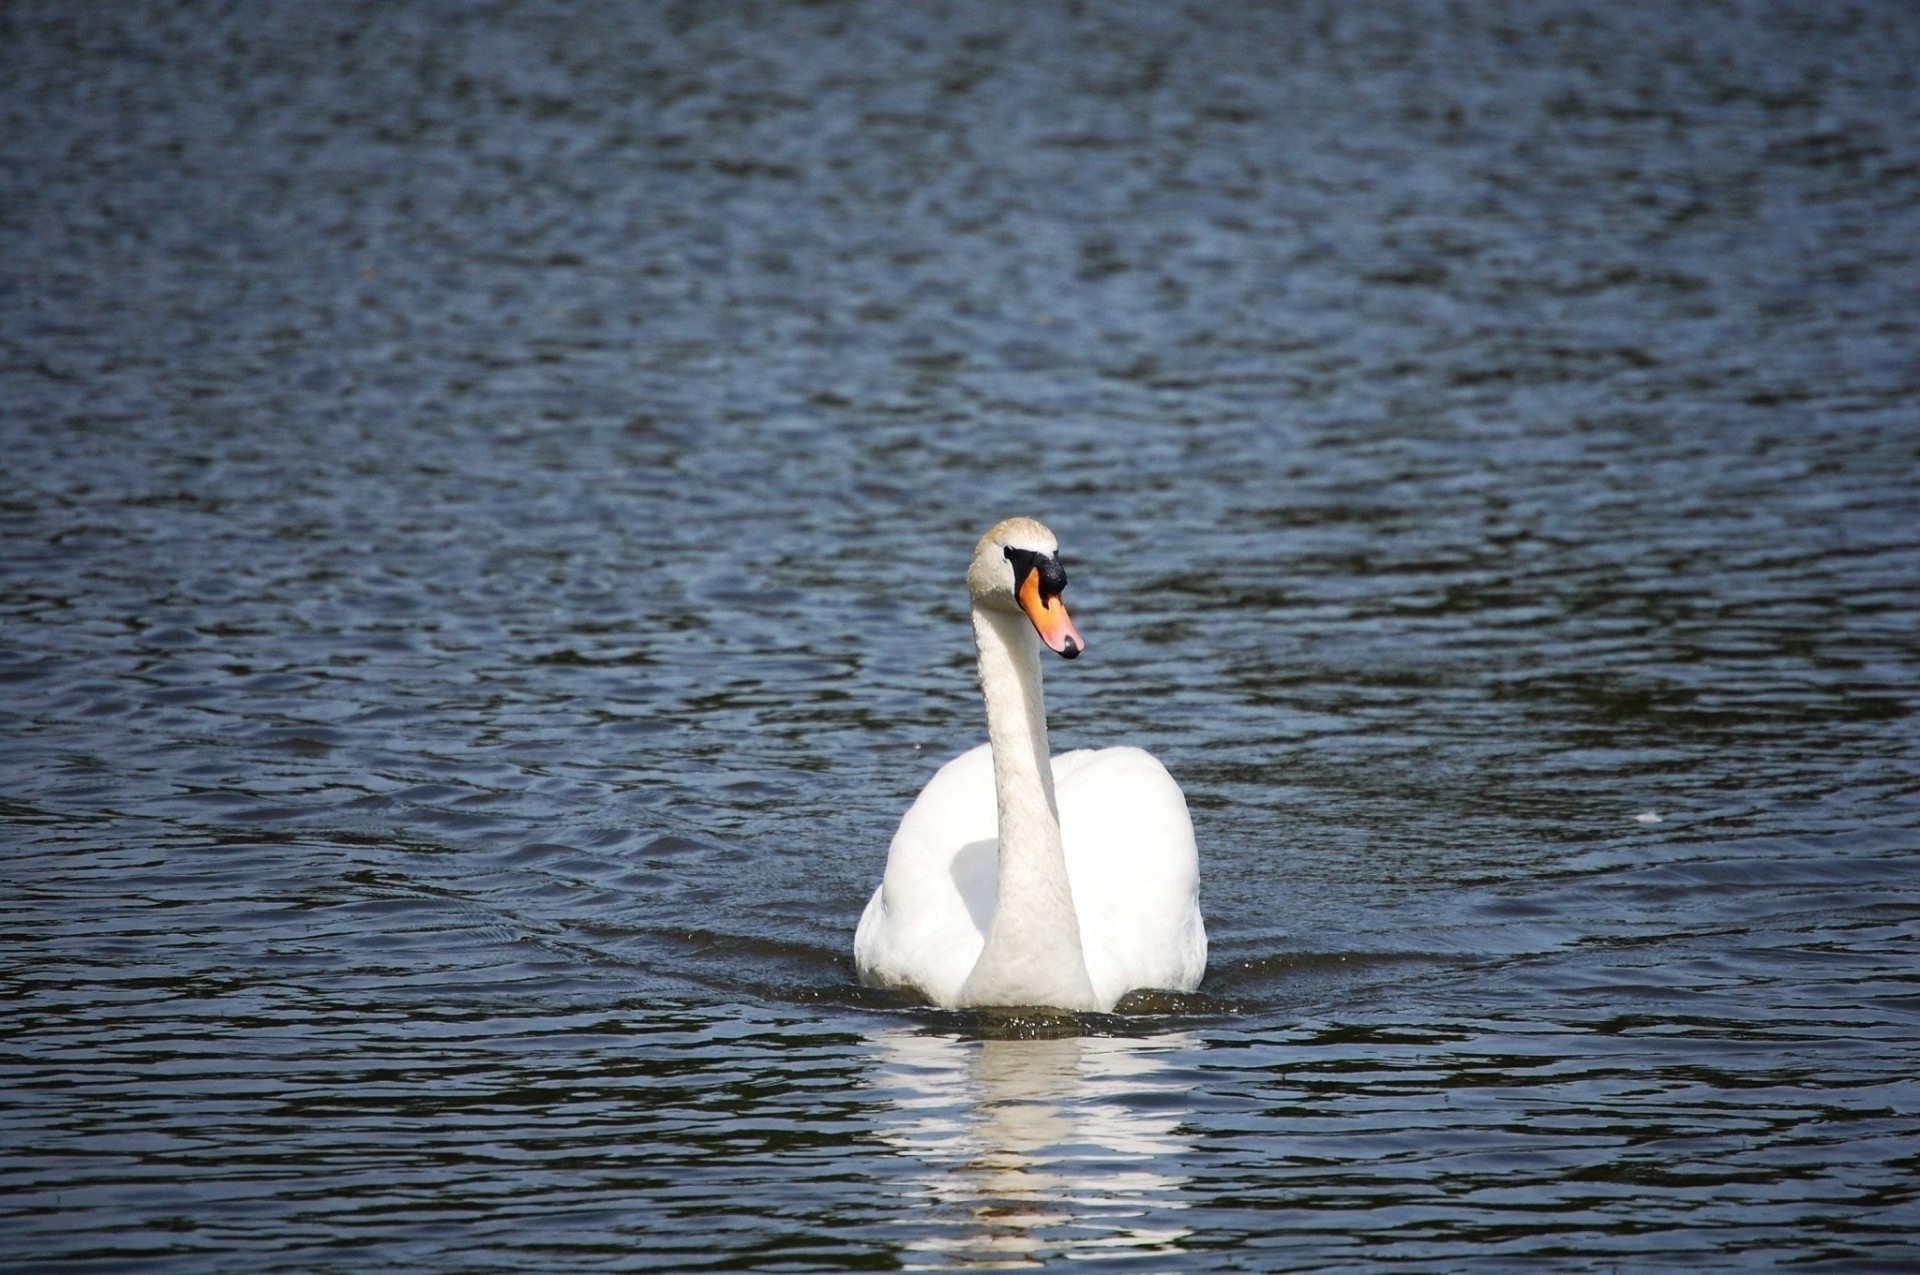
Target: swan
{"points": [[1019, 878]]}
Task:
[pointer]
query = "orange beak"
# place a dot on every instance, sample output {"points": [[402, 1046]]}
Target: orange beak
{"points": [[1050, 618]]}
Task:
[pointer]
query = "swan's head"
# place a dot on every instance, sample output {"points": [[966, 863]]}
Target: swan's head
{"points": [[1016, 567]]}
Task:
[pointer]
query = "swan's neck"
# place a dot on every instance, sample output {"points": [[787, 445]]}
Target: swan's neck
{"points": [[1032, 954]]}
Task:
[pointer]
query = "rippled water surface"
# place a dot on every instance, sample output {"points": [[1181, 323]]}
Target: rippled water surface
{"points": [[486, 489]]}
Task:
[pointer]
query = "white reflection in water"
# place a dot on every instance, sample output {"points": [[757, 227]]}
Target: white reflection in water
{"points": [[1036, 1148]]}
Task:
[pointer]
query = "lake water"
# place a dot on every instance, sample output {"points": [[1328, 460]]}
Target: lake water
{"points": [[486, 492]]}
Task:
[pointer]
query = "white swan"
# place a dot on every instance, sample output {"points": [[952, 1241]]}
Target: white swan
{"points": [[1016, 882]]}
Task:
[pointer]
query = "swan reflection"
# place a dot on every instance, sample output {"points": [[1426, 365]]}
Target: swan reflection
{"points": [[1036, 1148]]}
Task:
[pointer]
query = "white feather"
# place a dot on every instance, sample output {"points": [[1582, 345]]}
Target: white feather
{"points": [[1123, 832]]}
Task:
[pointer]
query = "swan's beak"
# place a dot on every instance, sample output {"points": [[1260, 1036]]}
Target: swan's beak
{"points": [[1050, 618]]}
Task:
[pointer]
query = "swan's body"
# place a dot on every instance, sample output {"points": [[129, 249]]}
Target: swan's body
{"points": [[1019, 878]]}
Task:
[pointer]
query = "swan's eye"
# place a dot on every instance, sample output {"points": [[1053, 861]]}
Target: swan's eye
{"points": [[1053, 576], [1022, 560]]}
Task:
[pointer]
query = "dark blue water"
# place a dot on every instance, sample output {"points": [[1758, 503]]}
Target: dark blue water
{"points": [[483, 504]]}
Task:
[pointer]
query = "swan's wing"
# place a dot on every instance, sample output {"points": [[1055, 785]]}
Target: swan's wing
{"points": [[1134, 868], [927, 921]]}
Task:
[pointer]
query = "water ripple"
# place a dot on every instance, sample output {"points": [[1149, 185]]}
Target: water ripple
{"points": [[485, 495]]}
